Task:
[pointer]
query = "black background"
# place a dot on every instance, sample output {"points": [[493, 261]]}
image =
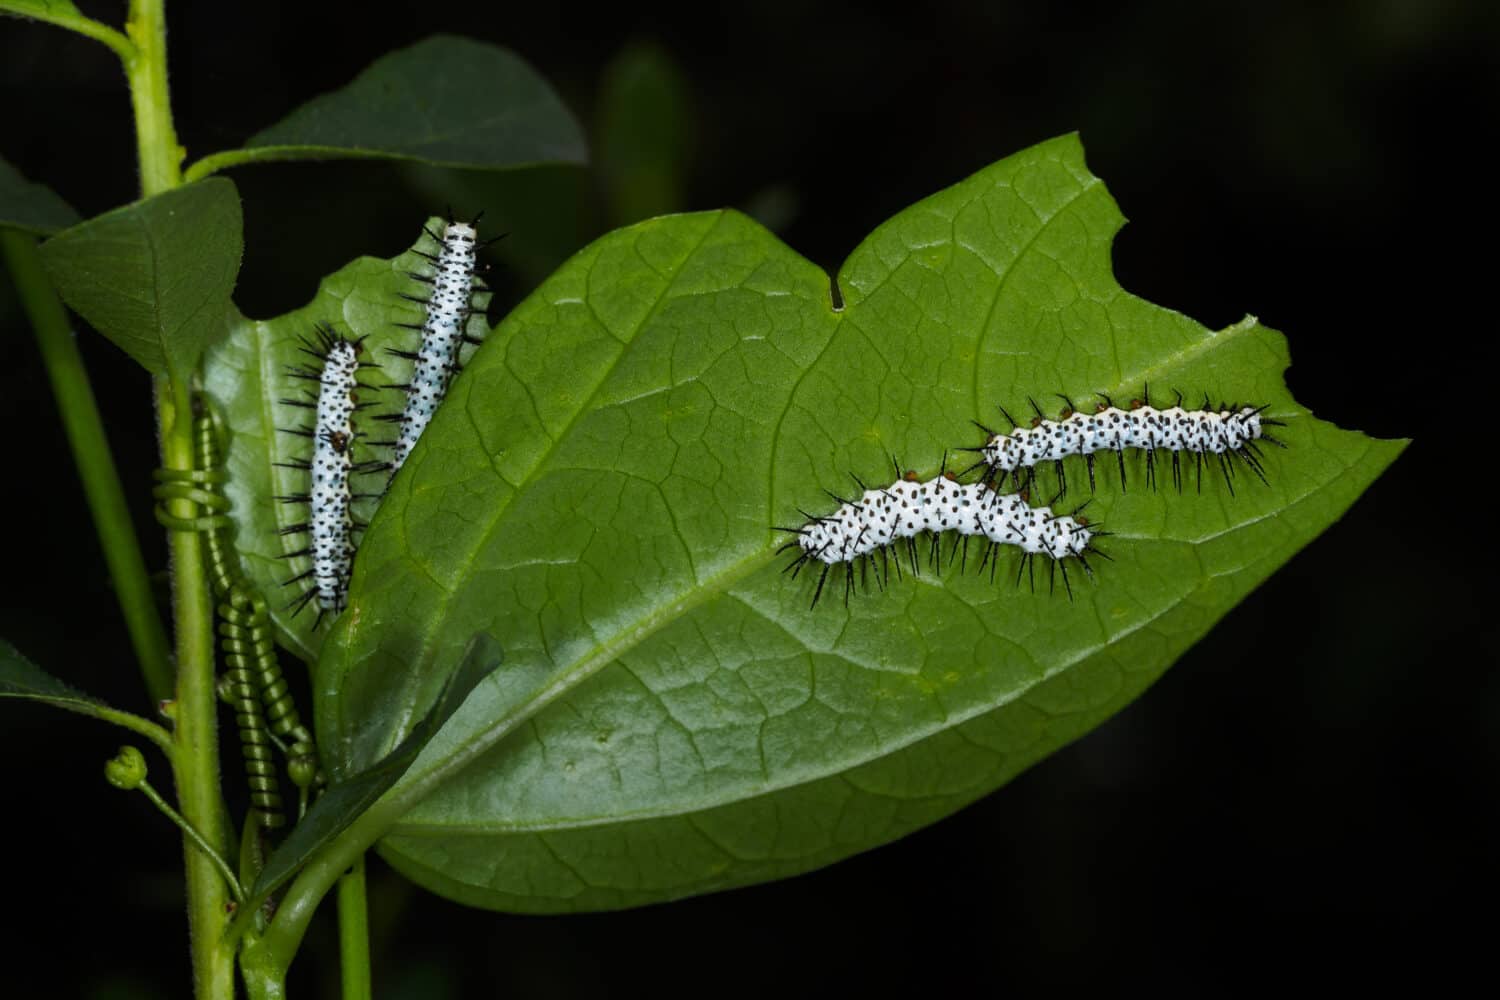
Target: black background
{"points": [[1307, 797]]}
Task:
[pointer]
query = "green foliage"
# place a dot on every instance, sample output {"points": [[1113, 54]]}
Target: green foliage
{"points": [[348, 797], [155, 276], [33, 208], [22, 679], [598, 491], [638, 170], [446, 100], [64, 14], [46, 10]]}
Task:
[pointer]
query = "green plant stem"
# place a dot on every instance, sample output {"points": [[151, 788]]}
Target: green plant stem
{"points": [[354, 933], [125, 720], [196, 765], [265, 961], [193, 835], [157, 148], [96, 465], [197, 759]]}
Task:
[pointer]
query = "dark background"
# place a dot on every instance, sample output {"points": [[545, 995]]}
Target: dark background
{"points": [[1307, 797]]}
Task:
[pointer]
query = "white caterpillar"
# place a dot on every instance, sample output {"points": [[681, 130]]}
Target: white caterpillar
{"points": [[444, 330], [1228, 432], [908, 507], [330, 525]]}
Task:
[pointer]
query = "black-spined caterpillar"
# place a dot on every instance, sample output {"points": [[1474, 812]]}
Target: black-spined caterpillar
{"points": [[330, 525], [1228, 432], [449, 305], [884, 516]]}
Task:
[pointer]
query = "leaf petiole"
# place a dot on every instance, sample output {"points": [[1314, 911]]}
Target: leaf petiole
{"points": [[223, 866], [67, 16]]}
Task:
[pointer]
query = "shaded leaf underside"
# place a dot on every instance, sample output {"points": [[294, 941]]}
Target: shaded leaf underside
{"points": [[20, 678], [155, 276], [445, 100], [597, 494], [30, 206], [24, 680]]}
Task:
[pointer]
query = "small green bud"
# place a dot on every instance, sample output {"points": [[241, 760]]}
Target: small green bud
{"points": [[302, 768], [127, 770], [167, 709]]}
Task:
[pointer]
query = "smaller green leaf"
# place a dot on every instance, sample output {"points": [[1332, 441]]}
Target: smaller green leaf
{"points": [[20, 678], [446, 100], [30, 206], [347, 799], [155, 276]]}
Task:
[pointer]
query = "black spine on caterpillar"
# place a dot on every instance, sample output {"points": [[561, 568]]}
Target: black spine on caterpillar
{"points": [[330, 525], [449, 302], [1226, 434], [252, 682], [863, 529]]}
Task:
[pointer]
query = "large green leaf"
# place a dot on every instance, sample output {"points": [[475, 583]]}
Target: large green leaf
{"points": [[445, 100], [598, 491], [155, 276], [29, 206]]}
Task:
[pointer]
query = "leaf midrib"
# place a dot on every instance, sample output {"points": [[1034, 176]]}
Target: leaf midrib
{"points": [[917, 735]]}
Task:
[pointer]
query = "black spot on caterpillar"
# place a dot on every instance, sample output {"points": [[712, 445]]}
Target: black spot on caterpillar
{"points": [[1227, 434], [864, 529], [330, 524]]}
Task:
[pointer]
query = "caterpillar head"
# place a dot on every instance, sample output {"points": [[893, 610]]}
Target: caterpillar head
{"points": [[459, 236]]}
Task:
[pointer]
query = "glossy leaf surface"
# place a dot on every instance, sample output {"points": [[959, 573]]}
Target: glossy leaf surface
{"points": [[598, 493]]}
